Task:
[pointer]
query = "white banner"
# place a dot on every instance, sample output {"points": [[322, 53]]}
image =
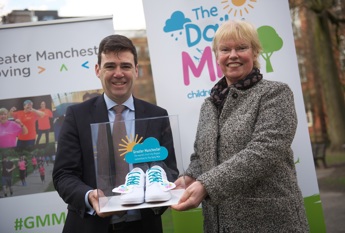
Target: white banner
{"points": [[184, 68], [47, 58], [52, 62]]}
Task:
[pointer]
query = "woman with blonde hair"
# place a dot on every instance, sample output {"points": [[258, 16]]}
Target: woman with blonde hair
{"points": [[10, 130], [242, 169]]}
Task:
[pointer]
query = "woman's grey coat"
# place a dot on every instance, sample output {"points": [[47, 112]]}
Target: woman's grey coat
{"points": [[245, 161]]}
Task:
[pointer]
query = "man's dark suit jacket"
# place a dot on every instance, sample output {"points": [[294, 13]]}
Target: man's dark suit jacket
{"points": [[74, 168]]}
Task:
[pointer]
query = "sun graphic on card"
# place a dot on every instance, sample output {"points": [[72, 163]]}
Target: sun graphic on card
{"points": [[129, 143], [241, 5]]}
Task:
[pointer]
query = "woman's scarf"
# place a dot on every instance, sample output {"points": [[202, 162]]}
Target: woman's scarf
{"points": [[221, 90]]}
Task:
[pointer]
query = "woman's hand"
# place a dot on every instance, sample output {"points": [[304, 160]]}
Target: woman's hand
{"points": [[183, 182], [191, 198]]}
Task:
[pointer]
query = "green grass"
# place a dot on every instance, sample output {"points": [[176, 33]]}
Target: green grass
{"points": [[335, 181], [334, 158], [50, 187]]}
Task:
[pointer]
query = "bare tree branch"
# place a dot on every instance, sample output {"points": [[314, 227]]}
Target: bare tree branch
{"points": [[335, 19]]}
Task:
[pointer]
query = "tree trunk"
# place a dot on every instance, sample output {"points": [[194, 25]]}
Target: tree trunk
{"points": [[317, 99], [327, 72]]}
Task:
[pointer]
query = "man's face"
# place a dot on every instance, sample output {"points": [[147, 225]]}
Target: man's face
{"points": [[28, 107], [117, 73]]}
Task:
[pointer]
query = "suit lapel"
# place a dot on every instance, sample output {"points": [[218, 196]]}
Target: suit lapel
{"points": [[99, 111]]}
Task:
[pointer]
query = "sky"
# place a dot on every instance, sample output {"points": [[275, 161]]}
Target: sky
{"points": [[122, 10]]}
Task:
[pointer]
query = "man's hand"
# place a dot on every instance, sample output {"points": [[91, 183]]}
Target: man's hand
{"points": [[93, 200], [192, 197]]}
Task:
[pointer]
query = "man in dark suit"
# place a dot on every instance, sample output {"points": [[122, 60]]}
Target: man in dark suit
{"points": [[74, 173]]}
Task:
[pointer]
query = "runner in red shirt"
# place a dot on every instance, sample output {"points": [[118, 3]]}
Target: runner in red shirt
{"points": [[28, 117], [44, 123]]}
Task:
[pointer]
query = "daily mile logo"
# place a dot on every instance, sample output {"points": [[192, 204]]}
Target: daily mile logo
{"points": [[182, 28]]}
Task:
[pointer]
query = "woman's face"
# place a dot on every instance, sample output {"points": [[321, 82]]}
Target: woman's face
{"points": [[3, 116], [235, 59]]}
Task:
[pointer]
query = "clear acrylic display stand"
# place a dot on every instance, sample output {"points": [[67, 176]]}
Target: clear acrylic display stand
{"points": [[149, 142]]}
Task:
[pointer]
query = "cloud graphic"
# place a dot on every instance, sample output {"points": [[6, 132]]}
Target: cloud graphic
{"points": [[148, 151], [176, 22]]}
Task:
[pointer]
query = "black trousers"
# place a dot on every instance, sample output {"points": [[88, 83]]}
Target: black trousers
{"points": [[126, 227], [149, 223], [140, 226]]}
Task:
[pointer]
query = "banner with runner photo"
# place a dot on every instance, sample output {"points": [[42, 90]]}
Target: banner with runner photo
{"points": [[44, 68]]}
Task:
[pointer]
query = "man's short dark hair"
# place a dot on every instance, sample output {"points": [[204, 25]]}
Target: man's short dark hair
{"points": [[116, 43]]}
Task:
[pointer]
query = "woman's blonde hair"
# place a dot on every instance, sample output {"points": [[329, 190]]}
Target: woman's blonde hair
{"points": [[3, 110], [238, 30]]}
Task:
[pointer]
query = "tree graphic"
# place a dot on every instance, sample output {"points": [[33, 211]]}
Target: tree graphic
{"points": [[270, 42]]}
